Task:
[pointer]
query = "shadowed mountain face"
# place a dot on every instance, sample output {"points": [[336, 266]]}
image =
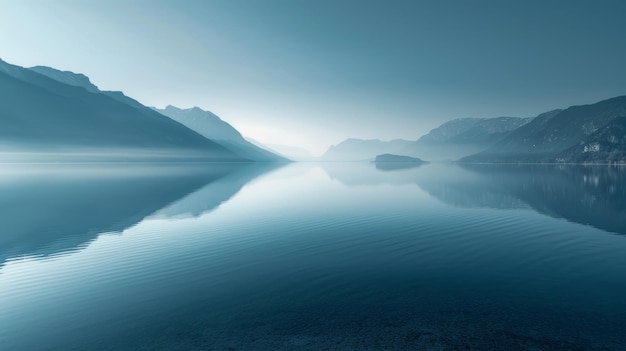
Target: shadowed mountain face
{"points": [[608, 144], [360, 150], [71, 117], [590, 195], [49, 209], [548, 135], [212, 127]]}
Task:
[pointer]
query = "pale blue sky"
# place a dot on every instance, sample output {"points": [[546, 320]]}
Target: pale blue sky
{"points": [[311, 73]]}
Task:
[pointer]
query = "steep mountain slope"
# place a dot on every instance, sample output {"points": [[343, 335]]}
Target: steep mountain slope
{"points": [[552, 133], [40, 113], [211, 126], [489, 131], [359, 149], [606, 145]]}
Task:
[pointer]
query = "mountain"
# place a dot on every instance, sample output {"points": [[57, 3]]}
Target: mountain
{"points": [[447, 131], [550, 134], [40, 114], [489, 131], [80, 80], [463, 137], [67, 77], [211, 126], [608, 144], [360, 150]]}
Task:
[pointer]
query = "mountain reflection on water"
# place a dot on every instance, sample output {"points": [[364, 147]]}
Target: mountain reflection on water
{"points": [[590, 195], [313, 257], [47, 209]]}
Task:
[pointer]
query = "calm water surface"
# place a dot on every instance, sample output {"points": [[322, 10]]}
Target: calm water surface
{"points": [[312, 257]]}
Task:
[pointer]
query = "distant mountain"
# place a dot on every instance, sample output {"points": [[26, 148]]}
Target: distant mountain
{"points": [[448, 131], [463, 137], [211, 126], [489, 131], [291, 152], [41, 114], [361, 150], [552, 133], [608, 144]]}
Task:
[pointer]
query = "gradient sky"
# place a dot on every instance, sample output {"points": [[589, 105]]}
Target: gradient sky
{"points": [[312, 73]]}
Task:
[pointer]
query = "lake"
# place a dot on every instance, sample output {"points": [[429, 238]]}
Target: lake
{"points": [[328, 256]]}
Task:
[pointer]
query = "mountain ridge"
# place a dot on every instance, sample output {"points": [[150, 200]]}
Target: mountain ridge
{"points": [[212, 127], [70, 116], [551, 133]]}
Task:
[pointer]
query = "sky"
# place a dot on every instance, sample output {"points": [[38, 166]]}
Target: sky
{"points": [[312, 73]]}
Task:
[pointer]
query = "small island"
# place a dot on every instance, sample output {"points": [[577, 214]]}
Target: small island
{"points": [[390, 162], [397, 159]]}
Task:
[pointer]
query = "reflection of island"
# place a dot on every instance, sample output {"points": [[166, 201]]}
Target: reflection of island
{"points": [[590, 195], [367, 173], [49, 209]]}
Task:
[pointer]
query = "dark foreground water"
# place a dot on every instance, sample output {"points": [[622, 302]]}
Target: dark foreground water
{"points": [[312, 257]]}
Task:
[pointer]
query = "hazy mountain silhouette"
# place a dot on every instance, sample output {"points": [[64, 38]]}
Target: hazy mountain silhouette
{"points": [[447, 131], [548, 135], [463, 137], [49, 209], [42, 114], [212, 127], [362, 150]]}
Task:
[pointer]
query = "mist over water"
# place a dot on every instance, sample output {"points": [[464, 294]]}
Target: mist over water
{"points": [[312, 257]]}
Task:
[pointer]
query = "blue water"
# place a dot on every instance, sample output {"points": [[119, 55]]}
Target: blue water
{"points": [[323, 256]]}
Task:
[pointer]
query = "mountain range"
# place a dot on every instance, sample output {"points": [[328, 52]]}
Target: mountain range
{"points": [[593, 133], [212, 127], [62, 115], [50, 112], [585, 133]]}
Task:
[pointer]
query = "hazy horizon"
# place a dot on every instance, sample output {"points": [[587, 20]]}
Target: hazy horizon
{"points": [[311, 74]]}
